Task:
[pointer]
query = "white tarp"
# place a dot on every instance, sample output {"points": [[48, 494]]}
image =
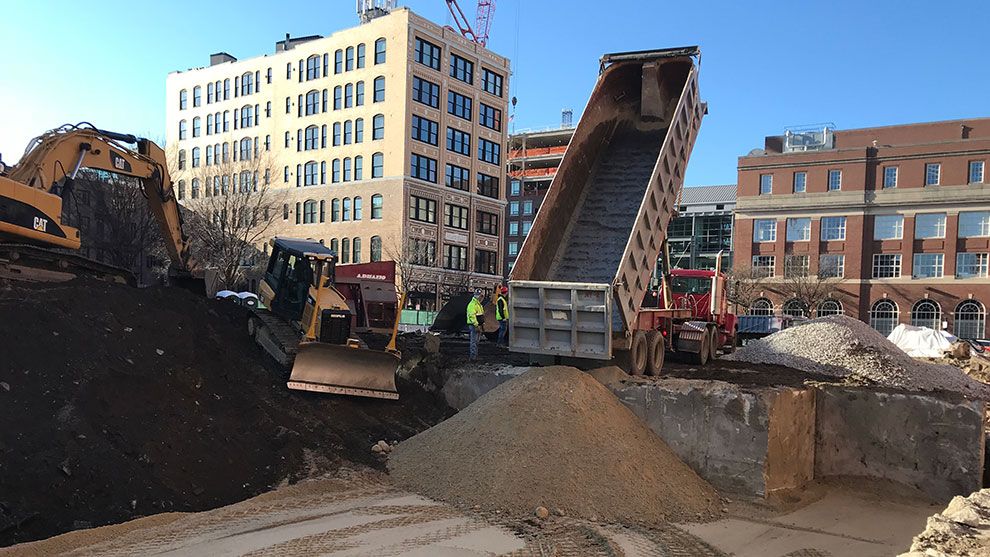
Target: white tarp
{"points": [[921, 342]]}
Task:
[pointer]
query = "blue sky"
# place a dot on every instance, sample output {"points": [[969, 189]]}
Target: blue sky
{"points": [[765, 65]]}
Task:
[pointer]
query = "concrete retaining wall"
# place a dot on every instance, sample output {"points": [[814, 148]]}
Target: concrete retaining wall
{"points": [[933, 443]]}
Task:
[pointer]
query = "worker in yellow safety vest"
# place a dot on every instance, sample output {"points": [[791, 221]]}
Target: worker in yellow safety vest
{"points": [[475, 319], [502, 314]]}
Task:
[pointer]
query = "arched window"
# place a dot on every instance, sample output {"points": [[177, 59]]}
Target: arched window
{"points": [[311, 167], [333, 247], [795, 307], [349, 63], [246, 149], [309, 212], [226, 120], [183, 99], [359, 93], [313, 67], [195, 157], [209, 93], [182, 190], [377, 165], [196, 126], [338, 61], [209, 155], [378, 127], [380, 51], [376, 248], [312, 137], [348, 132], [970, 319], [926, 313], [379, 89], [359, 130], [376, 207], [348, 95], [335, 210], [246, 112], [360, 56], [225, 188], [312, 102], [216, 153], [182, 129], [336, 134], [323, 136], [195, 188], [182, 159], [338, 97], [356, 250], [335, 173], [761, 306], [246, 181], [226, 89], [247, 83], [197, 96], [357, 208], [345, 250], [323, 172], [346, 214], [829, 306], [358, 167], [209, 124], [883, 316], [216, 185], [347, 169], [323, 212]]}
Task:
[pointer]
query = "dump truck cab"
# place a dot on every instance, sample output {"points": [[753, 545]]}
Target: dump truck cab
{"points": [[692, 289]]}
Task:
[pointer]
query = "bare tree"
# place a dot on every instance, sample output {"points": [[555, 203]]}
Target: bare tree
{"points": [[744, 284], [807, 287], [229, 209], [413, 257]]}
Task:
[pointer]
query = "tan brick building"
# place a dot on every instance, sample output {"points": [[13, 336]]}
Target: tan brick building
{"points": [[902, 213], [379, 137]]}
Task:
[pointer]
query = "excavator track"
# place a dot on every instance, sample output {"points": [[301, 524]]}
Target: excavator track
{"points": [[277, 337], [30, 263]]}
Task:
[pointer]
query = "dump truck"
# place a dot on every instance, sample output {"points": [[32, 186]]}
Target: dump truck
{"points": [[578, 285]]}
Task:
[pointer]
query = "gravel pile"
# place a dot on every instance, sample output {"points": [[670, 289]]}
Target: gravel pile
{"points": [[553, 437], [963, 528], [841, 346]]}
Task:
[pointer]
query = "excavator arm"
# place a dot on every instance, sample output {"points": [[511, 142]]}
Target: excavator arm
{"points": [[44, 176]]}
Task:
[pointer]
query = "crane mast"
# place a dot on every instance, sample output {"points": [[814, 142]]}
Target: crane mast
{"points": [[482, 23]]}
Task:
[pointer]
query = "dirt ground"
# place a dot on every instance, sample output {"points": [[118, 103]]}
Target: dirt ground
{"points": [[119, 402]]}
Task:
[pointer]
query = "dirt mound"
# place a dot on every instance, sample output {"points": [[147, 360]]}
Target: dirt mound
{"points": [[119, 402], [553, 437], [841, 346]]}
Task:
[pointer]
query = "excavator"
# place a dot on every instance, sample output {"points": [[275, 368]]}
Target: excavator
{"points": [[307, 321]]}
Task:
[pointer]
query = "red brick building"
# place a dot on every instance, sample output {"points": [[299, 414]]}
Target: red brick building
{"points": [[901, 213]]}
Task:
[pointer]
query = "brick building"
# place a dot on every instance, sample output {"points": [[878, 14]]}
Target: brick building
{"points": [[901, 213]]}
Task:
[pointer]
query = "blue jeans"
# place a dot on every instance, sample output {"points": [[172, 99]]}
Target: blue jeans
{"points": [[503, 332], [475, 333]]}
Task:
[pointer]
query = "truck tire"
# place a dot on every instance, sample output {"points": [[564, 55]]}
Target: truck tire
{"points": [[713, 344], [701, 356], [655, 351], [730, 346], [633, 361]]}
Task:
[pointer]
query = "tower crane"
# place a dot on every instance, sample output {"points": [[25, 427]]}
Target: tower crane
{"points": [[482, 23]]}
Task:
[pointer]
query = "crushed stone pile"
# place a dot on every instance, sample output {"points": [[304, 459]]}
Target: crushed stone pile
{"points": [[963, 529], [553, 437], [841, 346], [119, 402]]}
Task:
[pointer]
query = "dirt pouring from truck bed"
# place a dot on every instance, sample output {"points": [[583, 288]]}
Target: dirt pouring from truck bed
{"points": [[118, 402], [553, 437]]}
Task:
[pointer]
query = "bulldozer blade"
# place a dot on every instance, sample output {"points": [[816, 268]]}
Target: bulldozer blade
{"points": [[331, 368]]}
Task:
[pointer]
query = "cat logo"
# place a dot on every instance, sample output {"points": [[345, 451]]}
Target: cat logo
{"points": [[119, 162], [40, 224]]}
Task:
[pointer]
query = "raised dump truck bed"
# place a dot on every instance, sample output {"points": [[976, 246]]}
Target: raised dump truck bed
{"points": [[601, 226]]}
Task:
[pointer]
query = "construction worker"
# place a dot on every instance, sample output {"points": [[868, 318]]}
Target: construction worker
{"points": [[475, 319], [502, 314]]}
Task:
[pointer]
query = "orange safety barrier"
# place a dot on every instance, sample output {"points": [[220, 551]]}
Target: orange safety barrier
{"points": [[534, 172]]}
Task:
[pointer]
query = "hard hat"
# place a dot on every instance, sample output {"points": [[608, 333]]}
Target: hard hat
{"points": [[505, 290]]}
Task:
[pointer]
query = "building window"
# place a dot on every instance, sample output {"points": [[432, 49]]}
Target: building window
{"points": [[247, 83], [800, 182], [886, 265], [926, 313], [766, 184], [972, 265], [514, 228], [425, 92], [883, 316], [336, 134], [346, 213], [359, 94], [356, 250], [458, 142], [526, 227], [834, 180], [486, 223], [422, 209], [348, 95], [490, 117], [335, 172], [765, 230], [829, 306], [182, 189], [209, 124], [969, 320], [195, 157], [455, 216], [360, 56], [376, 245], [459, 105], [461, 69], [423, 168], [514, 187], [527, 207], [209, 93], [359, 130], [347, 170], [183, 99], [358, 215], [209, 155], [345, 250], [975, 172], [424, 130], [338, 97], [182, 129], [799, 230], [763, 265], [454, 257], [890, 177], [489, 151], [335, 210], [182, 158], [377, 165], [928, 265], [376, 207], [338, 62], [488, 185], [196, 126], [514, 208], [309, 212], [513, 248], [312, 138], [311, 173], [348, 132], [226, 89], [888, 227], [312, 103], [761, 306], [795, 307], [458, 177], [359, 167], [833, 228], [491, 82], [379, 89], [929, 225], [974, 224], [197, 92], [831, 266], [932, 171], [428, 54], [796, 266], [380, 51], [349, 62], [485, 262], [378, 127]]}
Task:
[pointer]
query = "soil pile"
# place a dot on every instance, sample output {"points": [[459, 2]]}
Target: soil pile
{"points": [[553, 437], [963, 528], [841, 346], [119, 402]]}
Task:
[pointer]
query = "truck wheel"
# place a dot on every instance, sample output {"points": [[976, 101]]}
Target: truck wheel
{"points": [[701, 356], [633, 361], [654, 350], [713, 344], [730, 346]]}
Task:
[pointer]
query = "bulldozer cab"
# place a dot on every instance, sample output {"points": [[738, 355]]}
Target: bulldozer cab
{"points": [[295, 266]]}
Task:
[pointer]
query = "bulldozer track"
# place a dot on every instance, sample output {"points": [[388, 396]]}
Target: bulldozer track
{"points": [[30, 263], [277, 337]]}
